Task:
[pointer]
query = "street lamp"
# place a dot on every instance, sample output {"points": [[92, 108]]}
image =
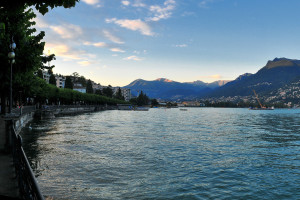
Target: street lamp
{"points": [[11, 56]]}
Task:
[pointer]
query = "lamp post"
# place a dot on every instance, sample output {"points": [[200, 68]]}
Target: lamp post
{"points": [[11, 56]]}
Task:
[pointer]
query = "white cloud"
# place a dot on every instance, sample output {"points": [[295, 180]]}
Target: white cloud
{"points": [[84, 63], [181, 45], [98, 44], [134, 25], [112, 37], [91, 2], [67, 31], [162, 12], [204, 3], [135, 58], [40, 23], [117, 50], [139, 3], [62, 50], [125, 3]]}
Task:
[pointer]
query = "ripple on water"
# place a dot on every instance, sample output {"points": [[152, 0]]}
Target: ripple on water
{"points": [[167, 154]]}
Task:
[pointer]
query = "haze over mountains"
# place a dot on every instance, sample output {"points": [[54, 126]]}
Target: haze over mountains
{"points": [[277, 73]]}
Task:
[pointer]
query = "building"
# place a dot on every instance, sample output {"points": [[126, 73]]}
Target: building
{"points": [[96, 86], [46, 75], [60, 81], [78, 87], [126, 92]]}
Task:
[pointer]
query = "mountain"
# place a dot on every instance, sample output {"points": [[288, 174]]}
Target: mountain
{"points": [[274, 75], [172, 90]]}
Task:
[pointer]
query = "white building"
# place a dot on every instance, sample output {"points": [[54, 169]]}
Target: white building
{"points": [[78, 87], [46, 75], [60, 81], [126, 92]]}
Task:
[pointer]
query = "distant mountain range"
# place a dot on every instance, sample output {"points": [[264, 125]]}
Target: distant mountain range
{"points": [[171, 90], [278, 73]]}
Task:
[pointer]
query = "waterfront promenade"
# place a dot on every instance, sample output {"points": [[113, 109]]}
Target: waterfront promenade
{"points": [[8, 179]]}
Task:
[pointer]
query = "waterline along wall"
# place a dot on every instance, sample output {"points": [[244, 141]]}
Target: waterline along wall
{"points": [[12, 141]]}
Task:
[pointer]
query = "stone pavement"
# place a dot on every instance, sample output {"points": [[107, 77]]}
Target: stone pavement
{"points": [[8, 180]]}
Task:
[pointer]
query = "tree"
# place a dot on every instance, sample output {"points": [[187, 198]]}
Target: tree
{"points": [[16, 17], [68, 83], [82, 80], [89, 87], [28, 52], [154, 102], [142, 99], [52, 79], [119, 94], [40, 73], [108, 91], [40, 5], [98, 92]]}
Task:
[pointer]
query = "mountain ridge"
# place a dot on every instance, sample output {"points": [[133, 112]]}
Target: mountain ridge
{"points": [[276, 74]]}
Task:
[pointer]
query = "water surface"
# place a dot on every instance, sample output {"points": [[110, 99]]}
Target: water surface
{"points": [[202, 153]]}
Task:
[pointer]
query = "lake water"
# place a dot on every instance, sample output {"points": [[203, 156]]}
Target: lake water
{"points": [[201, 153]]}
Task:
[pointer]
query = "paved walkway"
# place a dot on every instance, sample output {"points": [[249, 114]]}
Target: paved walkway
{"points": [[8, 180]]}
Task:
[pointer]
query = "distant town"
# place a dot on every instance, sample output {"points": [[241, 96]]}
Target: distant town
{"points": [[80, 83]]}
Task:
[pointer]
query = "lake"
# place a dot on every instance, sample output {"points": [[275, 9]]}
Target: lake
{"points": [[201, 153]]}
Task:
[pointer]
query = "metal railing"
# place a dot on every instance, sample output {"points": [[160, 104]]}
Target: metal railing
{"points": [[28, 185], [22, 110]]}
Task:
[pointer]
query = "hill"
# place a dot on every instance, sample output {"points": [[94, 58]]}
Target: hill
{"points": [[276, 74], [172, 90]]}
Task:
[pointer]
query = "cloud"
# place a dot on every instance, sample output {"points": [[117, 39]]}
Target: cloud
{"points": [[214, 76], [112, 37], [117, 50], [91, 2], [62, 50], [204, 3], [84, 63], [67, 31], [97, 44], [139, 3], [100, 44], [125, 3], [134, 25], [181, 45], [135, 58], [162, 12], [40, 23]]}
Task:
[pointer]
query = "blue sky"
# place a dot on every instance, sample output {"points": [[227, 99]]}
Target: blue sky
{"points": [[117, 41]]}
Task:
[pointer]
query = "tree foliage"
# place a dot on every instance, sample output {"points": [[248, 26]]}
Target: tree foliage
{"points": [[52, 79], [89, 87], [17, 19], [68, 83], [43, 91], [142, 99], [41, 5], [108, 91], [119, 94]]}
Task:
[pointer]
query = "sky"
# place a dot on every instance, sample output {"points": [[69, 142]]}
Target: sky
{"points": [[118, 41]]}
